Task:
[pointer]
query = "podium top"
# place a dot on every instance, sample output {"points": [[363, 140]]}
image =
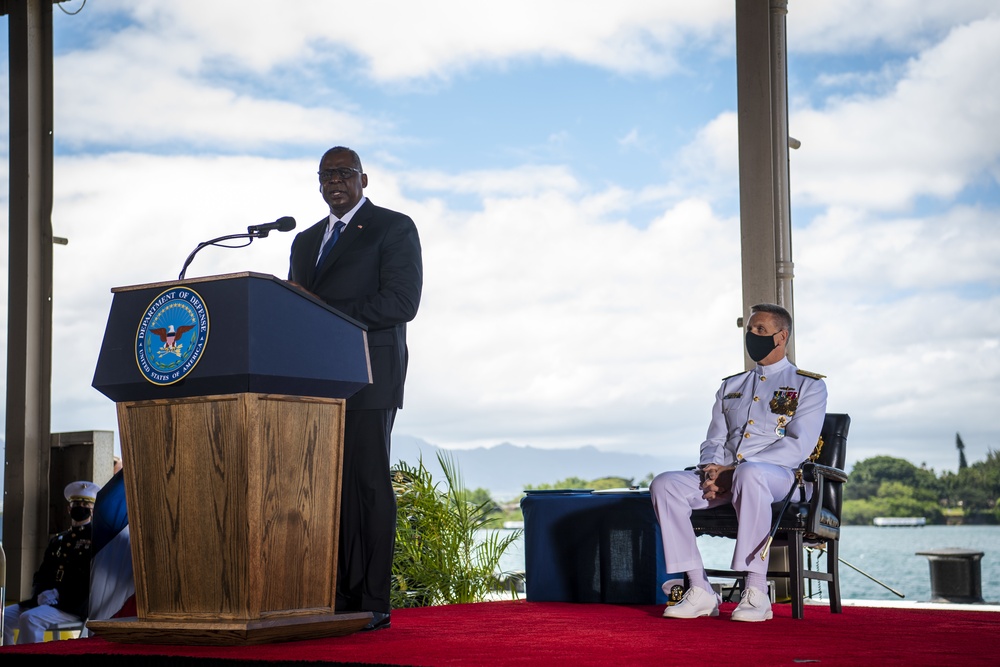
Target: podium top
{"points": [[192, 281], [232, 333], [243, 274]]}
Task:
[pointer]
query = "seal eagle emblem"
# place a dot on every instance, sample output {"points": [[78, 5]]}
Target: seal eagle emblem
{"points": [[171, 336]]}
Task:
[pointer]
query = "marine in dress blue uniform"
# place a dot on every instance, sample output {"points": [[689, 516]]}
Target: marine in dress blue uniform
{"points": [[61, 586], [765, 423]]}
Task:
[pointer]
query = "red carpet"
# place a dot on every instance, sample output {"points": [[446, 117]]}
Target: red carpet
{"points": [[547, 633]]}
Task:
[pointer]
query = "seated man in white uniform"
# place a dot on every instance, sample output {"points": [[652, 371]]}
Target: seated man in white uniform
{"points": [[61, 586], [765, 423]]}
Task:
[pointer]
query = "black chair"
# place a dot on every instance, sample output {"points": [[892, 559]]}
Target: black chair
{"points": [[804, 522]]}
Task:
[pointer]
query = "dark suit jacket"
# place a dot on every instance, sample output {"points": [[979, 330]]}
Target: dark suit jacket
{"points": [[374, 274], [66, 568]]}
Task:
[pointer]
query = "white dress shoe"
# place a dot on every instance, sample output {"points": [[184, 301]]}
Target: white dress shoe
{"points": [[754, 606], [696, 602]]}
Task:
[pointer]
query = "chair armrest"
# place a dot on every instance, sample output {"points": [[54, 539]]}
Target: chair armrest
{"points": [[815, 472], [818, 474]]}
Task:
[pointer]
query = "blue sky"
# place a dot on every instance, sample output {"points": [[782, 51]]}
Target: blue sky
{"points": [[573, 176]]}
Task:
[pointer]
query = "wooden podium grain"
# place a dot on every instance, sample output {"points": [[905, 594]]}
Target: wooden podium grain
{"points": [[234, 498]]}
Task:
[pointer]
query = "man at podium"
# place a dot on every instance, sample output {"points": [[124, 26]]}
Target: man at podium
{"points": [[365, 261]]}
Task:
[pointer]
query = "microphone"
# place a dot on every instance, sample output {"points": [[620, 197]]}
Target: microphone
{"points": [[285, 224]]}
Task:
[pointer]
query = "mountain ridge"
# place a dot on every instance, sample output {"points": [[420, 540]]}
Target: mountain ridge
{"points": [[506, 469]]}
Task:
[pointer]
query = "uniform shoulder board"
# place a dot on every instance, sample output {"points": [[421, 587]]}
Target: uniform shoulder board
{"points": [[733, 375], [810, 374]]}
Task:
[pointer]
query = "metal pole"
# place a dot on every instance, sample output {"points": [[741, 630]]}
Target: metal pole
{"points": [[762, 110], [860, 571], [756, 154], [29, 310], [783, 266]]}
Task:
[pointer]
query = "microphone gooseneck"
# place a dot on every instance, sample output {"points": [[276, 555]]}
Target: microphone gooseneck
{"points": [[284, 224]]}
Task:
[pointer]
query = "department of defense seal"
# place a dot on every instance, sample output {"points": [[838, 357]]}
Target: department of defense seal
{"points": [[171, 336]]}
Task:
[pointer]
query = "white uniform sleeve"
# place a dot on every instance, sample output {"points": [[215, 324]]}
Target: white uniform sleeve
{"points": [[713, 450]]}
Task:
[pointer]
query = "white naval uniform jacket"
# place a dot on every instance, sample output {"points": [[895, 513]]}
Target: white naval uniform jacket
{"points": [[750, 420]]}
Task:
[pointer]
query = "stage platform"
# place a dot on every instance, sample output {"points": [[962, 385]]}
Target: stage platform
{"points": [[519, 633]]}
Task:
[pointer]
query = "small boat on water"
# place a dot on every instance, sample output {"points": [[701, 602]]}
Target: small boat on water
{"points": [[899, 521]]}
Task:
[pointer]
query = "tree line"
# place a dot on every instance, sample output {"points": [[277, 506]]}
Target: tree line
{"points": [[889, 486]]}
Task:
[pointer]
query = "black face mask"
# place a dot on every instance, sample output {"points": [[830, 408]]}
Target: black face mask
{"points": [[759, 347], [80, 513]]}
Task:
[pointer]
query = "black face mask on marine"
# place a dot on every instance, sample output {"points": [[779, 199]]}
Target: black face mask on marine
{"points": [[759, 347], [80, 513]]}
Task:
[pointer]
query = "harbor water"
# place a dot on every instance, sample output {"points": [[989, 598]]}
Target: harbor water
{"points": [[887, 554]]}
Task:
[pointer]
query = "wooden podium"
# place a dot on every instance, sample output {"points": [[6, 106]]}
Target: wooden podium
{"points": [[230, 393]]}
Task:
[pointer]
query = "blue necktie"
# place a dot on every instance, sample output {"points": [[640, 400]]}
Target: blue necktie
{"points": [[337, 228]]}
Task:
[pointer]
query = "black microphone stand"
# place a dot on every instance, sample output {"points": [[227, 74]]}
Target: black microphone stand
{"points": [[250, 236]]}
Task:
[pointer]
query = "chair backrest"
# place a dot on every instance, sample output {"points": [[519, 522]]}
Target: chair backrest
{"points": [[834, 434], [834, 454]]}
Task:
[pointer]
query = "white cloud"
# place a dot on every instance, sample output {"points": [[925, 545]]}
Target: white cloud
{"points": [[860, 26], [710, 162], [156, 101], [902, 317], [631, 139], [437, 38], [931, 136], [495, 182], [912, 372], [192, 72], [886, 256], [552, 326]]}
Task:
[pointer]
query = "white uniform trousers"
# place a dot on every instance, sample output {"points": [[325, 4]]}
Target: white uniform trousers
{"points": [[31, 623], [755, 486]]}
